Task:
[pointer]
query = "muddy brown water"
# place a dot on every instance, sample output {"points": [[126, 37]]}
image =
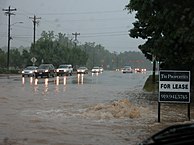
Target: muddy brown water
{"points": [[92, 109]]}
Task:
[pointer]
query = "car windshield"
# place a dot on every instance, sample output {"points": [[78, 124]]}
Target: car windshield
{"points": [[63, 66], [43, 66], [30, 68], [127, 67], [82, 68], [96, 68]]}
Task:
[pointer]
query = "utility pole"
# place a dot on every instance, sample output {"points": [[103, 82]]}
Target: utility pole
{"points": [[9, 12], [35, 21], [75, 40]]}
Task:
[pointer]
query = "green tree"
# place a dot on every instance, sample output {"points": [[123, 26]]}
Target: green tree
{"points": [[55, 49], [2, 59], [167, 27], [15, 58], [26, 58]]}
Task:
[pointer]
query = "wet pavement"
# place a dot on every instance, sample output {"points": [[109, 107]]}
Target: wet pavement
{"points": [[92, 109]]}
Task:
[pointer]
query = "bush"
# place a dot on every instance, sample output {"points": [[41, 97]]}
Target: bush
{"points": [[11, 71], [151, 86]]}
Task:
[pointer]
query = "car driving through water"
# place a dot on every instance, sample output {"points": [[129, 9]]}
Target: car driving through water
{"points": [[82, 70], [97, 69], [29, 71], [64, 69], [45, 70]]}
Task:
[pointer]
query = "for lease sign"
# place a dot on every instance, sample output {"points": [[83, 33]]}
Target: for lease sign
{"points": [[174, 86]]}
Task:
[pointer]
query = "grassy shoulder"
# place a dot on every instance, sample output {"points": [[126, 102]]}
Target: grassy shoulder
{"points": [[11, 71], [151, 86]]}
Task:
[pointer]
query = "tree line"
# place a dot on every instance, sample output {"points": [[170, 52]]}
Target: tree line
{"points": [[59, 49], [167, 28]]}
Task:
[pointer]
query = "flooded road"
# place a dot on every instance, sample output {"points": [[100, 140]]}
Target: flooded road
{"points": [[91, 109]]}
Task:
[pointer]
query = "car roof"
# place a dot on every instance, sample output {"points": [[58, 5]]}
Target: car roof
{"points": [[65, 65], [46, 64]]}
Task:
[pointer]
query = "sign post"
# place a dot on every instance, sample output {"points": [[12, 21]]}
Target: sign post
{"points": [[174, 87]]}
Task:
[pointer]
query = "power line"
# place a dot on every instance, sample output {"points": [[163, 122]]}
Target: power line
{"points": [[89, 19], [112, 32], [81, 13], [104, 35]]}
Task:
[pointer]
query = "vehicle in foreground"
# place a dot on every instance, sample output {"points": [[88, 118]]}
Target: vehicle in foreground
{"points": [[45, 70], [127, 69], [82, 70], [64, 69], [182, 134], [29, 71], [96, 69]]}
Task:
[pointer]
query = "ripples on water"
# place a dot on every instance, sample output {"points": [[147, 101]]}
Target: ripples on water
{"points": [[87, 109]]}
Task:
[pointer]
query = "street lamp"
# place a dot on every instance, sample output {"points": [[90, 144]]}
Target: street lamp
{"points": [[9, 38]]}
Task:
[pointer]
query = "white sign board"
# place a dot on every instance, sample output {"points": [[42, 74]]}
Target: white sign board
{"points": [[174, 86], [33, 59]]}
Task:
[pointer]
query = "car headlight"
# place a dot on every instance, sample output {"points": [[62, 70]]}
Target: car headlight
{"points": [[46, 70], [22, 71]]}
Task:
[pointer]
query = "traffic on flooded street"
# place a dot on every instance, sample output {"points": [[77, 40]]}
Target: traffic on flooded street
{"points": [[82, 109]]}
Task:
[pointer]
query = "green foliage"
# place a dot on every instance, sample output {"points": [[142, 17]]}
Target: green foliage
{"points": [[59, 49], [15, 60], [149, 86], [167, 27], [2, 59]]}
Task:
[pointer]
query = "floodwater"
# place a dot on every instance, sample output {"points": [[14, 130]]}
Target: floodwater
{"points": [[91, 109]]}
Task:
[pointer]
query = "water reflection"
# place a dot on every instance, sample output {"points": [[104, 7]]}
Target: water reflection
{"points": [[64, 80], [95, 74], [36, 82], [24, 80], [46, 82], [31, 80], [80, 78], [58, 80], [43, 86], [45, 89]]}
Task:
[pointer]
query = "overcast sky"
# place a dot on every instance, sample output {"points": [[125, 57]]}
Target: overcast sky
{"points": [[104, 22]]}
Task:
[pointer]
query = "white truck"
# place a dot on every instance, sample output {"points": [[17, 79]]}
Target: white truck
{"points": [[64, 69]]}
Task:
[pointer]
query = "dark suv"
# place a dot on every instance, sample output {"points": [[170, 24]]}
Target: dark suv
{"points": [[45, 70]]}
